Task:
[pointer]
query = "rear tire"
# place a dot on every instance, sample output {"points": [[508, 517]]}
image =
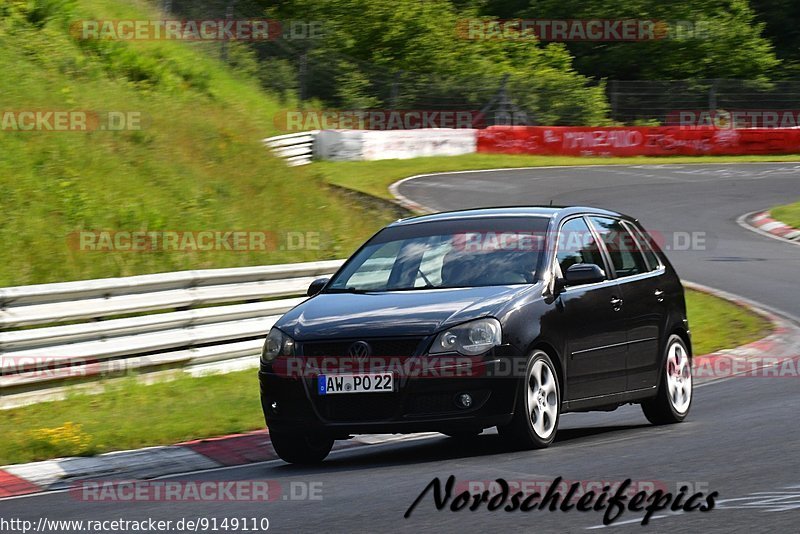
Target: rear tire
{"points": [[538, 406], [301, 448], [674, 397]]}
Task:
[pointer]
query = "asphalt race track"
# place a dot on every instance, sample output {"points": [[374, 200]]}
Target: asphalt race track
{"points": [[668, 199], [741, 438]]}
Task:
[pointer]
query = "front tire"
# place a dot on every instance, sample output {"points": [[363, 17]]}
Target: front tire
{"points": [[301, 448], [538, 406], [674, 397]]}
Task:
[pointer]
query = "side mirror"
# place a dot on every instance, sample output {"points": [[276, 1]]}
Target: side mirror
{"points": [[583, 273], [316, 286]]}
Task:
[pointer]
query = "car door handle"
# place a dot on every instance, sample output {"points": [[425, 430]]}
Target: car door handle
{"points": [[659, 295], [616, 303]]}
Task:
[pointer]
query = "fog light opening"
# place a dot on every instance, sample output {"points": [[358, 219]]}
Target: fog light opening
{"points": [[464, 400]]}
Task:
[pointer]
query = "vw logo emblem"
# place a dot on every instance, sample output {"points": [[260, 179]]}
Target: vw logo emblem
{"points": [[360, 350]]}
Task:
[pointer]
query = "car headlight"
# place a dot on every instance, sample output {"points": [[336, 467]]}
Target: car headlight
{"points": [[276, 344], [469, 339]]}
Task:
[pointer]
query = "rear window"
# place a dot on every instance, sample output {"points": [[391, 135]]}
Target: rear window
{"points": [[645, 242], [625, 254]]}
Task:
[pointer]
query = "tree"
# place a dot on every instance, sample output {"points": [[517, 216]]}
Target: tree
{"points": [[417, 48], [706, 38], [780, 18]]}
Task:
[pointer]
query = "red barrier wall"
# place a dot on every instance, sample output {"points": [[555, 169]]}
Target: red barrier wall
{"points": [[636, 141]]}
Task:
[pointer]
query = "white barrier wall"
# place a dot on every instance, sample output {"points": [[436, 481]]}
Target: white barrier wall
{"points": [[339, 145], [348, 145]]}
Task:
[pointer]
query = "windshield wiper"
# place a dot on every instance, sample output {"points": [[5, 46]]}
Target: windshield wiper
{"points": [[354, 290], [426, 286], [357, 291]]}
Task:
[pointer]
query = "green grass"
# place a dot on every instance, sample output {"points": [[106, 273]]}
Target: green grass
{"points": [[375, 177], [788, 214], [197, 163], [130, 414], [718, 324]]}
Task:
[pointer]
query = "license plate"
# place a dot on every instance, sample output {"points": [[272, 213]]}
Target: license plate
{"points": [[361, 383]]}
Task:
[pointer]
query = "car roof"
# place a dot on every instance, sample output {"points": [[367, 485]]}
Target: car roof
{"points": [[552, 212]]}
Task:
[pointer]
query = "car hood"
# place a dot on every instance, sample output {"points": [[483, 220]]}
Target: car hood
{"points": [[398, 313]]}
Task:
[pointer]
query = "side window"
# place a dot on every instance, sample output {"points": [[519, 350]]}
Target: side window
{"points": [[625, 254], [576, 244], [649, 254]]}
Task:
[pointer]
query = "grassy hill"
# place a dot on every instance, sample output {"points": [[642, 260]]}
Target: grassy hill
{"points": [[196, 164]]}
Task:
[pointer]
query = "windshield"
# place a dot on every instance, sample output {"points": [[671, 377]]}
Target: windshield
{"points": [[446, 254]]}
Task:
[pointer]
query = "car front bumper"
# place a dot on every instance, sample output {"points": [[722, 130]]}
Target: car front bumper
{"points": [[418, 404]]}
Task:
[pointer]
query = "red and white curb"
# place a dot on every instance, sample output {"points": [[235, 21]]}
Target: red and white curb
{"points": [[766, 357], [154, 462], [763, 223], [412, 206]]}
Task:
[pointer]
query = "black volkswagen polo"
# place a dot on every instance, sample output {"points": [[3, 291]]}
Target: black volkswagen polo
{"points": [[461, 321]]}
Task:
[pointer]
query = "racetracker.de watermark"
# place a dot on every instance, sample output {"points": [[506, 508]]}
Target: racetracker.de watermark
{"points": [[377, 119], [375, 368], [733, 119], [54, 120], [44, 367], [724, 366], [490, 241], [196, 30], [563, 30], [194, 241], [196, 491]]}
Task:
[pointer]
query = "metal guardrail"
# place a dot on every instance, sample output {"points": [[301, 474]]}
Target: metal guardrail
{"points": [[231, 311], [296, 148]]}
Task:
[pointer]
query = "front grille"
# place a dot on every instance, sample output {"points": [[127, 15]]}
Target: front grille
{"points": [[381, 348], [358, 407]]}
